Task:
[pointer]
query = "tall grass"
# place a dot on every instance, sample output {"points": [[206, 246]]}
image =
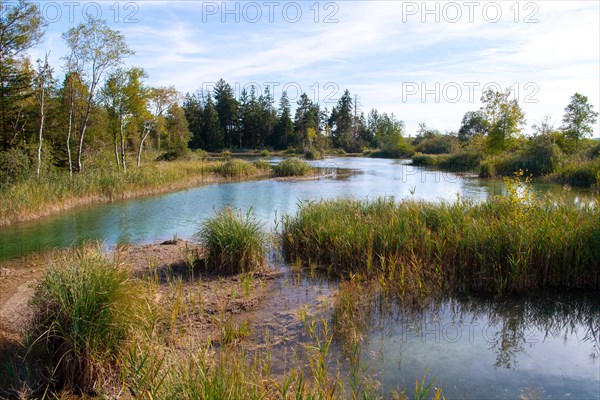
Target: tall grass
{"points": [[56, 191], [504, 244], [292, 167], [235, 242], [584, 174], [86, 311]]}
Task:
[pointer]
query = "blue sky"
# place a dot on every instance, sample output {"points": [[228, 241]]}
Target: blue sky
{"points": [[423, 61]]}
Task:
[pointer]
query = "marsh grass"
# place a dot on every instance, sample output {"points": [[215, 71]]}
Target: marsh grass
{"points": [[235, 242], [292, 167], [504, 244], [87, 309], [236, 168], [57, 191]]}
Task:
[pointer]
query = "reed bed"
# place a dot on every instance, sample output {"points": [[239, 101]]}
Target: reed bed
{"points": [[57, 191], [512, 243]]}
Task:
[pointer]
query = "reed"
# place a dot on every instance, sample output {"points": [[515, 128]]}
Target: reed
{"points": [[234, 241], [86, 309], [511, 243], [292, 167]]}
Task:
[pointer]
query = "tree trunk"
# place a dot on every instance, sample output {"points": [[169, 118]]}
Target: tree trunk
{"points": [[144, 136], [124, 164], [83, 129], [39, 155], [69, 137]]}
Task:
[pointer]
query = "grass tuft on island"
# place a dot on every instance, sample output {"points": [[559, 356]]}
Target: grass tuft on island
{"points": [[505, 244], [235, 242], [292, 166]]}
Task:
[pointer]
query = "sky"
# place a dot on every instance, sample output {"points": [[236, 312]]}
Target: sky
{"points": [[424, 61]]}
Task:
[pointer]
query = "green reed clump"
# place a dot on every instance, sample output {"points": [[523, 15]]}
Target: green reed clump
{"points": [[583, 174], [503, 244], [262, 165], [292, 167], [237, 168], [86, 311], [235, 242]]}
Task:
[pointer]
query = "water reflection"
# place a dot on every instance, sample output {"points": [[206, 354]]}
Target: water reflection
{"points": [[494, 348]]}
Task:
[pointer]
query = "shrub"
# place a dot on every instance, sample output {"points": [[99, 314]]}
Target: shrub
{"points": [[235, 242], [487, 170], [313, 154], [461, 161], [585, 174], [15, 165], [236, 168], [292, 167], [86, 309], [262, 165], [438, 144], [425, 160], [264, 153]]}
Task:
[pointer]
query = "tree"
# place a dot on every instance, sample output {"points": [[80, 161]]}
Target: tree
{"points": [[284, 128], [193, 108], [504, 116], [579, 118], [213, 133], [43, 80], [124, 96], [95, 48], [307, 117], [473, 124], [20, 29], [341, 122], [178, 133], [160, 99], [226, 106]]}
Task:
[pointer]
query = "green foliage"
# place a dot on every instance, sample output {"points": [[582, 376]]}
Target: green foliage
{"points": [[262, 165], [86, 310], [487, 169], [313, 154], [15, 166], [504, 244], [438, 144], [264, 153], [579, 118], [292, 167], [235, 242], [236, 168], [584, 174], [461, 161], [504, 117]]}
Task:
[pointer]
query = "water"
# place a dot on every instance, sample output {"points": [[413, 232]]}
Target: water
{"points": [[478, 348], [163, 217]]}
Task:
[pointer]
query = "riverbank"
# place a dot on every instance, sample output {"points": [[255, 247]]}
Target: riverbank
{"points": [[32, 199]]}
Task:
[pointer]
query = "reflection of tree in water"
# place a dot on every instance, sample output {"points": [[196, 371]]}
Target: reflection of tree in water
{"points": [[519, 320], [513, 323]]}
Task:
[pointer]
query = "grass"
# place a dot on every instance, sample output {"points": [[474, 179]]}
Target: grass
{"points": [[584, 174], [56, 191], [86, 311], [292, 167], [459, 161], [505, 244], [236, 168], [235, 242]]}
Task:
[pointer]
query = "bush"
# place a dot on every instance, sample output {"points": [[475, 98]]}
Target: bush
{"points": [[425, 160], [235, 243], [438, 144], [86, 309], [262, 165], [462, 161], [292, 167], [487, 170], [585, 174], [264, 153], [236, 168], [313, 154], [15, 166]]}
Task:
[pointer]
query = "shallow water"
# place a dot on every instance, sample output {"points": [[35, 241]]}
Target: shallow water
{"points": [[162, 217], [545, 343]]}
